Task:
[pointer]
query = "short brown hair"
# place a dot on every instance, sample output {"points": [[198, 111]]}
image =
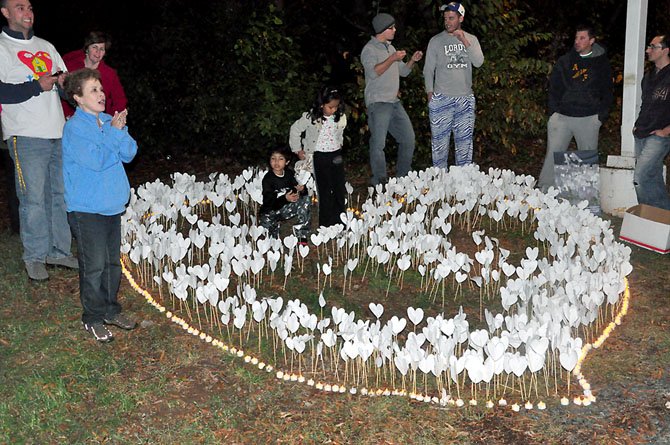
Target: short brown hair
{"points": [[74, 82], [590, 30], [97, 37]]}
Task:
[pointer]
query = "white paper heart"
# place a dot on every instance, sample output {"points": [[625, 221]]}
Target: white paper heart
{"points": [[376, 309], [415, 315]]}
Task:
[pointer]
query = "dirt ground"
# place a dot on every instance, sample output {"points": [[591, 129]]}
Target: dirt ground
{"points": [[630, 374]]}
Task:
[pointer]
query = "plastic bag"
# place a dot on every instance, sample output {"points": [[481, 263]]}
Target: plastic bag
{"points": [[577, 176]]}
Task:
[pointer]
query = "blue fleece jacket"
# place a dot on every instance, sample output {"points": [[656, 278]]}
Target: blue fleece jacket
{"points": [[95, 181]]}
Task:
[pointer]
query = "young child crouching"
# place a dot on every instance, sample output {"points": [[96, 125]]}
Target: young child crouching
{"points": [[284, 198]]}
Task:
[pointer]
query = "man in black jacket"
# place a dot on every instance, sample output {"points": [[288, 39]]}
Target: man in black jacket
{"points": [[652, 127], [580, 96]]}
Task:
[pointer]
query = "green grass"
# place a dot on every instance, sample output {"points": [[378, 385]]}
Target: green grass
{"points": [[158, 384]]}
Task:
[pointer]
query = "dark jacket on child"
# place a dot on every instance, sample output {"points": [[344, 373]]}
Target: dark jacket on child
{"points": [[275, 188]]}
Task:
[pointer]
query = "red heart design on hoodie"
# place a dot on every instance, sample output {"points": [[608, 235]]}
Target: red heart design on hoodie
{"points": [[39, 63]]}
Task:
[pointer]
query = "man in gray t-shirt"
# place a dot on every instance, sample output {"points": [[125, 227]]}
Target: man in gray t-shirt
{"points": [[383, 67], [450, 57]]}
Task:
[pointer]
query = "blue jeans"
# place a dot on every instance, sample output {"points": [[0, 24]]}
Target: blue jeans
{"points": [[39, 187], [648, 177], [383, 118], [98, 248], [12, 199]]}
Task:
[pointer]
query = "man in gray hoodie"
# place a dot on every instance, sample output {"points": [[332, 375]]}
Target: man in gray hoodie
{"points": [[580, 96], [450, 57], [383, 66]]}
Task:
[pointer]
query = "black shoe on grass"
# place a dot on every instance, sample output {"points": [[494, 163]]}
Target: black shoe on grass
{"points": [[99, 331], [121, 321]]}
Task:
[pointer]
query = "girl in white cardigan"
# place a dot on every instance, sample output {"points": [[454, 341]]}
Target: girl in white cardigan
{"points": [[316, 138]]}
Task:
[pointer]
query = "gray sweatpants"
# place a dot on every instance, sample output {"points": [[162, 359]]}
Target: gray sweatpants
{"points": [[560, 131]]}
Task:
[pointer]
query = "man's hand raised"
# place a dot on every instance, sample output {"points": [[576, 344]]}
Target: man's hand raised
{"points": [[399, 55], [47, 82]]}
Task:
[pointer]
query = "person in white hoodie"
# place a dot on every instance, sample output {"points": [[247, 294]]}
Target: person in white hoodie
{"points": [[447, 73]]}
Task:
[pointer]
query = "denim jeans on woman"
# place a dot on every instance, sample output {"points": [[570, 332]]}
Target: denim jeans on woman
{"points": [[648, 178], [39, 187], [98, 248]]}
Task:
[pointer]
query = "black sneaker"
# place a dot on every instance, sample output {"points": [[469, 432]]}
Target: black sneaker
{"points": [[99, 331], [121, 321]]}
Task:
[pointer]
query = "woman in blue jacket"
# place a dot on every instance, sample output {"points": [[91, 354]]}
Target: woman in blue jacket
{"points": [[95, 146]]}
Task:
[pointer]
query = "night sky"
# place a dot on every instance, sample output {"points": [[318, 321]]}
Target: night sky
{"points": [[66, 23]]}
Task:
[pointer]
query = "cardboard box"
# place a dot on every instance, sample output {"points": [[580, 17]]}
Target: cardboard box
{"points": [[647, 227]]}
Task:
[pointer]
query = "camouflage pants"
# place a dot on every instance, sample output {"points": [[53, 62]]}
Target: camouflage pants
{"points": [[299, 210]]}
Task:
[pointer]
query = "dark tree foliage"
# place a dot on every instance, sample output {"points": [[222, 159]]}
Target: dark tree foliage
{"points": [[228, 77], [183, 76]]}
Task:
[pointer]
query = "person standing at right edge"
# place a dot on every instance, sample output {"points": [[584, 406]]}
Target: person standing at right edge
{"points": [[580, 96], [383, 67], [450, 57], [652, 127]]}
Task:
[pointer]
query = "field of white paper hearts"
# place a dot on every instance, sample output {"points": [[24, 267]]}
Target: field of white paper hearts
{"points": [[193, 249]]}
